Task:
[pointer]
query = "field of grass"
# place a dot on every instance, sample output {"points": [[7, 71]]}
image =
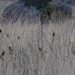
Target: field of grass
{"points": [[35, 49]]}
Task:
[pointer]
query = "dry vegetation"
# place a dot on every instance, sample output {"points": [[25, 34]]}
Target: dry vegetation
{"points": [[35, 49]]}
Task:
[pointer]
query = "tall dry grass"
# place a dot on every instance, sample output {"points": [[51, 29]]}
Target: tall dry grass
{"points": [[34, 49]]}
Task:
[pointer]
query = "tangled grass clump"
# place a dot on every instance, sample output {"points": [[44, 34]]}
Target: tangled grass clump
{"points": [[13, 14], [31, 11]]}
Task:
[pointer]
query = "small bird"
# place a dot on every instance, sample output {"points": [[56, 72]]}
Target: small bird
{"points": [[3, 53], [1, 56], [10, 50], [53, 34], [40, 49], [0, 30], [18, 37]]}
